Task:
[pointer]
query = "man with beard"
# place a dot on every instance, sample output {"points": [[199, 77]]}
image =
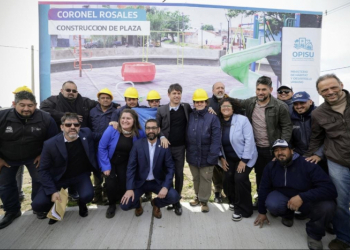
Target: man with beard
{"points": [[270, 119], [150, 169], [69, 100], [292, 184], [218, 94], [23, 130], [67, 161]]}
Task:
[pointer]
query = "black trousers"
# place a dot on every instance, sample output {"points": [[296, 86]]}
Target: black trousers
{"points": [[237, 188], [264, 157], [116, 181], [178, 154]]}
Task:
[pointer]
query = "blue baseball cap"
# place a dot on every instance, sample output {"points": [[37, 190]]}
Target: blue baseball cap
{"points": [[301, 97]]}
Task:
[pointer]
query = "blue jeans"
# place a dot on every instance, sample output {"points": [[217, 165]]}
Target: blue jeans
{"points": [[152, 186], [320, 212], [8, 185], [81, 183], [341, 178]]}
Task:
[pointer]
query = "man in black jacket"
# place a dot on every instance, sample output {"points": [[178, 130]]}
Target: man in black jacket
{"points": [[69, 100], [292, 184], [23, 130], [218, 94]]}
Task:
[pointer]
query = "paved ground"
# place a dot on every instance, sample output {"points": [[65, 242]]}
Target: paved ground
{"points": [[190, 77], [192, 230]]}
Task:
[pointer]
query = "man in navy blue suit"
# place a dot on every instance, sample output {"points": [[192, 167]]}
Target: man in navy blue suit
{"points": [[67, 161], [150, 169]]}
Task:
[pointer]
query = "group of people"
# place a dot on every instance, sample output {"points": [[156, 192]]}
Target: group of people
{"points": [[299, 153]]}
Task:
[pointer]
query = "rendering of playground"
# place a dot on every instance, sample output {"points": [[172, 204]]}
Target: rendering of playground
{"points": [[178, 51]]}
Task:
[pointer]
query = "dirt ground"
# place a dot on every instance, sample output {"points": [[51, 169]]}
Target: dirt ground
{"points": [[187, 192]]}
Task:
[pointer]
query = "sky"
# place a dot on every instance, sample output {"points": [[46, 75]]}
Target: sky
{"points": [[19, 31]]}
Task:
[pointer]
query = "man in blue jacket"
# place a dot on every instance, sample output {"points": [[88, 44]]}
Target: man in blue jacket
{"points": [[150, 169], [99, 119], [67, 161], [292, 184]]}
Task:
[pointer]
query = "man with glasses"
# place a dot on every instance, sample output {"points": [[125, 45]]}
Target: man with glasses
{"points": [[150, 169], [67, 161], [23, 130], [285, 94], [69, 100]]}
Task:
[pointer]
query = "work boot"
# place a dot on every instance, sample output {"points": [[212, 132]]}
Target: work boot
{"points": [[204, 207], [194, 202], [314, 244], [9, 218]]}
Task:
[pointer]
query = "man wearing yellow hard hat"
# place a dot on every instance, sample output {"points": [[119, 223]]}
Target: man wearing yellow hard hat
{"points": [[131, 96], [100, 116]]}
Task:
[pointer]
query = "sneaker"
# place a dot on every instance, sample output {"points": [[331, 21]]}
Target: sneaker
{"points": [[194, 202], [338, 244], [204, 207], [314, 244], [236, 217], [218, 198], [231, 207], [287, 222]]}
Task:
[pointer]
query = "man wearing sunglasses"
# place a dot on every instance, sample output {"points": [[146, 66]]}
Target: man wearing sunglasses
{"points": [[67, 161], [23, 130], [69, 100], [285, 94]]}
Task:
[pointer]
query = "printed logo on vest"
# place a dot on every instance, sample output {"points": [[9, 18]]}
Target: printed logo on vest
{"points": [[9, 129]]}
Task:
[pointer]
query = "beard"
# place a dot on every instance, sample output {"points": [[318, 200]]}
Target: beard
{"points": [[219, 96], [152, 136], [286, 161]]}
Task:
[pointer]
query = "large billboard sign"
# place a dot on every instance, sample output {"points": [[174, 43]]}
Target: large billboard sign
{"points": [[152, 45]]}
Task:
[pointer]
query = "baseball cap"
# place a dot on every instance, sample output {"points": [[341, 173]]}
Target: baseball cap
{"points": [[300, 97], [285, 86], [280, 143]]}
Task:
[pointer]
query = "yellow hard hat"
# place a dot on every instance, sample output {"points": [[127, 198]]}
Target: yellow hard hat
{"points": [[105, 91], [153, 95], [23, 88], [200, 95], [131, 92]]}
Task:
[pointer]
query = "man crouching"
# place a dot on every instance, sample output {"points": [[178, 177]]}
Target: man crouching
{"points": [[67, 161]]}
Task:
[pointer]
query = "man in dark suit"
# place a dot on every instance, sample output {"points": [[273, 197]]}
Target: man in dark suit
{"points": [[150, 169], [172, 119], [67, 161]]}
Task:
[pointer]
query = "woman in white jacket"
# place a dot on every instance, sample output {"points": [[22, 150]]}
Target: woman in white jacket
{"points": [[239, 155]]}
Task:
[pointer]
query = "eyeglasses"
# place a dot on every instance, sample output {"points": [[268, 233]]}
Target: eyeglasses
{"points": [[68, 125], [71, 90], [151, 128], [153, 101], [226, 106], [283, 91]]}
